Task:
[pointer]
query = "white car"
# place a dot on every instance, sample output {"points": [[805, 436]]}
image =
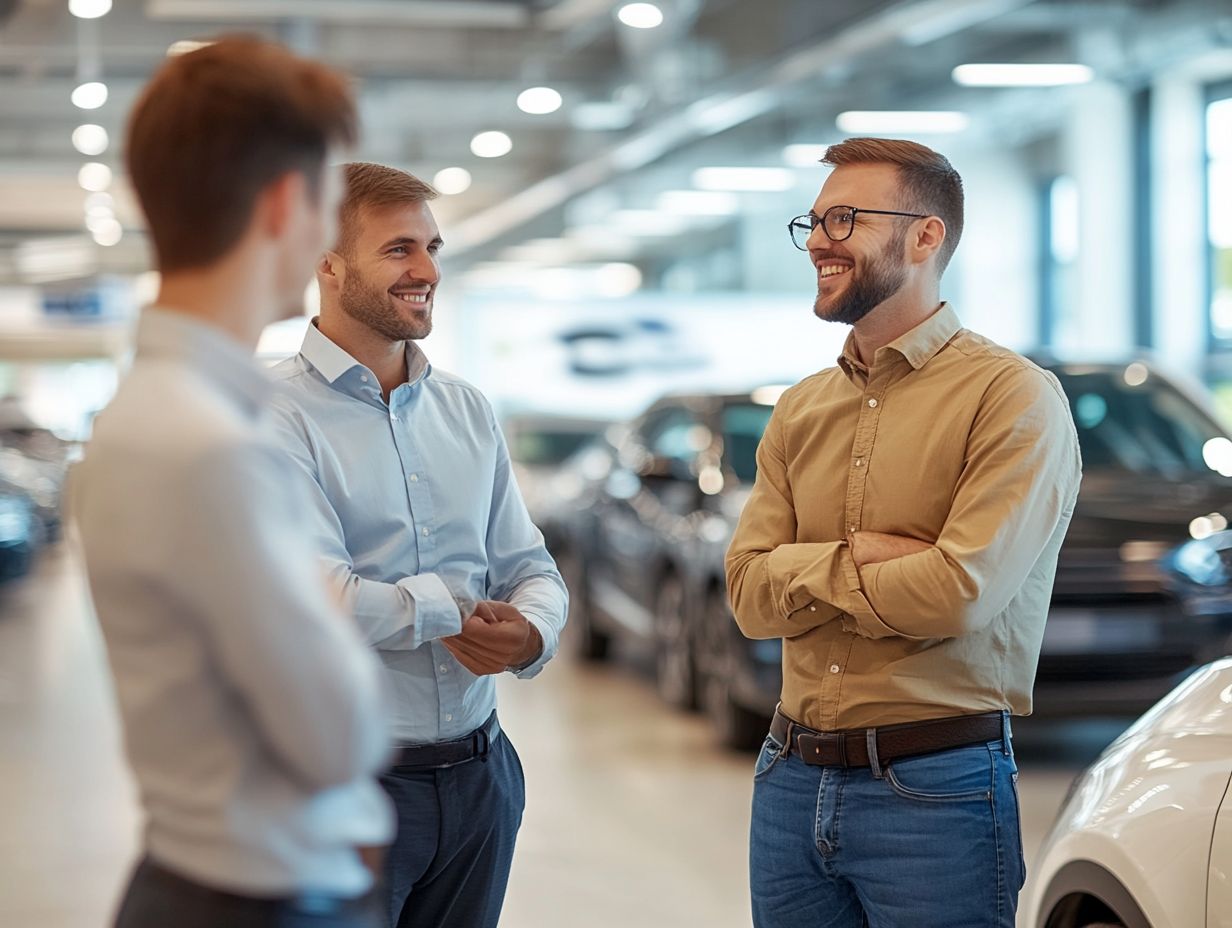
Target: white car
{"points": [[1144, 839]]}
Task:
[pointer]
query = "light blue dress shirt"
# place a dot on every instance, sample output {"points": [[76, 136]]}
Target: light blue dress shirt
{"points": [[419, 517]]}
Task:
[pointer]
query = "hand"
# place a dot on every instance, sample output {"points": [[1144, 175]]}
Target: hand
{"points": [[876, 547], [494, 639]]}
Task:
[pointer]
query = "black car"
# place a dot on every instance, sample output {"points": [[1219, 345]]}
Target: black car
{"points": [[649, 508]]}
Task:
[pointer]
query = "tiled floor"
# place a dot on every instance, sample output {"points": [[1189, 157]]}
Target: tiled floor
{"points": [[633, 818]]}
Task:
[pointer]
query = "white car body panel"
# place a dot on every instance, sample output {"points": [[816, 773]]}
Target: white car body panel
{"points": [[1146, 812]]}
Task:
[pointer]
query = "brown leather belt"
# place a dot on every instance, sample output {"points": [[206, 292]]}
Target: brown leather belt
{"points": [[447, 753], [894, 742]]}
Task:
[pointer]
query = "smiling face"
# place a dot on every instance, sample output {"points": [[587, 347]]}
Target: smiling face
{"points": [[392, 270], [857, 275]]}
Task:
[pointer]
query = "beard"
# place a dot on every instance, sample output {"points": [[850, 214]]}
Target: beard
{"points": [[368, 304], [880, 279]]}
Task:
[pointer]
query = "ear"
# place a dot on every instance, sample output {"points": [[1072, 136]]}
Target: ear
{"points": [[927, 240], [331, 271]]}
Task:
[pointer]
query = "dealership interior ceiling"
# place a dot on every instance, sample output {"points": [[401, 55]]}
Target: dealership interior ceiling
{"points": [[611, 164]]}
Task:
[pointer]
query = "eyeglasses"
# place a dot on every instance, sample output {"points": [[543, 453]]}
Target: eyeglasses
{"points": [[838, 222]]}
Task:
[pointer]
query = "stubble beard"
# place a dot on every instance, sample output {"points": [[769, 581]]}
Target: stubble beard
{"points": [[369, 305], [880, 279]]}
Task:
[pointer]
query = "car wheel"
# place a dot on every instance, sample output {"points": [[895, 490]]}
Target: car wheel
{"points": [[736, 727], [591, 644], [674, 665]]}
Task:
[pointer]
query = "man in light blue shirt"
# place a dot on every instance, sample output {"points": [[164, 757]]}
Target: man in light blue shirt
{"points": [[428, 541]]}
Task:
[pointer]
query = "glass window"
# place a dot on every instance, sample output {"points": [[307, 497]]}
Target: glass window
{"points": [[1219, 212]]}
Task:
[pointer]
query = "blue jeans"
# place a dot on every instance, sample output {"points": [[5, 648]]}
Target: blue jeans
{"points": [[449, 864], [925, 842]]}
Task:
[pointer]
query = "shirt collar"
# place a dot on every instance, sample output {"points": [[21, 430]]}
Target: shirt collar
{"points": [[333, 362], [918, 346], [224, 362]]}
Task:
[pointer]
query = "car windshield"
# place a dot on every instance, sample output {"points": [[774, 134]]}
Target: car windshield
{"points": [[743, 424], [546, 446], [1131, 422]]}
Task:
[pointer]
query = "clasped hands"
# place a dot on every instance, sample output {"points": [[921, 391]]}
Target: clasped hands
{"points": [[494, 638]]}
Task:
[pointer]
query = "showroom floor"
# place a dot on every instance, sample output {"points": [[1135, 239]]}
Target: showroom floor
{"points": [[633, 817]]}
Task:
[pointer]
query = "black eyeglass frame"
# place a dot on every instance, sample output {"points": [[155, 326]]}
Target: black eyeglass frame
{"points": [[813, 221]]}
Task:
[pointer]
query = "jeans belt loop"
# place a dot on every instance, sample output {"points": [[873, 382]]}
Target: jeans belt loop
{"points": [[786, 749], [874, 762], [482, 744], [1006, 734]]}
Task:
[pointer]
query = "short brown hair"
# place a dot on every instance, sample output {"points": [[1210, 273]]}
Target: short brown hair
{"points": [[371, 186], [929, 182], [215, 127]]}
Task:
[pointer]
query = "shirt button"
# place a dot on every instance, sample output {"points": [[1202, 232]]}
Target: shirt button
{"points": [[872, 403], [393, 416], [427, 532], [859, 462], [363, 378], [449, 717], [834, 668], [444, 668], [414, 478], [812, 608]]}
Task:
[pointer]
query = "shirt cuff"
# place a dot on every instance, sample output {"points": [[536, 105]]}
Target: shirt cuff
{"points": [[546, 653], [437, 614], [861, 618]]}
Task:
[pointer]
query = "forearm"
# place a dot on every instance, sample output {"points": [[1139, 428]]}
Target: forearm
{"points": [[544, 601]]}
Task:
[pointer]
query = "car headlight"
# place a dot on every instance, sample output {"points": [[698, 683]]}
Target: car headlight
{"points": [[1202, 562]]}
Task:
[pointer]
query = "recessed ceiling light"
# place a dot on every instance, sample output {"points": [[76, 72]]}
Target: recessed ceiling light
{"points": [[699, 203], [760, 180], [90, 96], [90, 139], [491, 144], [804, 156], [89, 9], [94, 176], [640, 15], [452, 181], [880, 122], [108, 233], [1022, 75], [539, 101]]}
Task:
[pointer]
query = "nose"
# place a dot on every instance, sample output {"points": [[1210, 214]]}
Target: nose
{"points": [[425, 268], [817, 239]]}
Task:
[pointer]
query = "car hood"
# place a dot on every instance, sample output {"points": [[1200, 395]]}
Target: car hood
{"points": [[1113, 509]]}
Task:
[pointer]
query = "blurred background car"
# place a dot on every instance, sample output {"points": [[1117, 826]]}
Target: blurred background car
{"points": [[1144, 839], [20, 532], [539, 445]]}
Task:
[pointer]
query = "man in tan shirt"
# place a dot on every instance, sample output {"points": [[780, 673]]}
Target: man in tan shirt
{"points": [[902, 539]]}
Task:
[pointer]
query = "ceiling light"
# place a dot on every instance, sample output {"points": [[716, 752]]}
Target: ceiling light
{"points": [[640, 15], [184, 46], [90, 96], [758, 180], [539, 101], [108, 233], [1022, 75], [97, 221], [452, 181], [94, 177], [617, 279], [648, 222], [491, 144], [804, 156], [100, 201], [90, 139], [601, 116], [89, 9], [881, 122], [699, 203]]}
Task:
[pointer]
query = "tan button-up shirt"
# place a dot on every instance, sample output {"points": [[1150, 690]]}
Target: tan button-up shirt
{"points": [[947, 438]]}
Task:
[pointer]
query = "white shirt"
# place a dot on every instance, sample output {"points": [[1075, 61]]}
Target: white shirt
{"points": [[252, 710]]}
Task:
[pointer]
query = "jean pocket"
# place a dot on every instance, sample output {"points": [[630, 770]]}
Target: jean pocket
{"points": [[960, 775], [770, 753]]}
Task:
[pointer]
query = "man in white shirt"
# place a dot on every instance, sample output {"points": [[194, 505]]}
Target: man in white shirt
{"points": [[253, 716]]}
